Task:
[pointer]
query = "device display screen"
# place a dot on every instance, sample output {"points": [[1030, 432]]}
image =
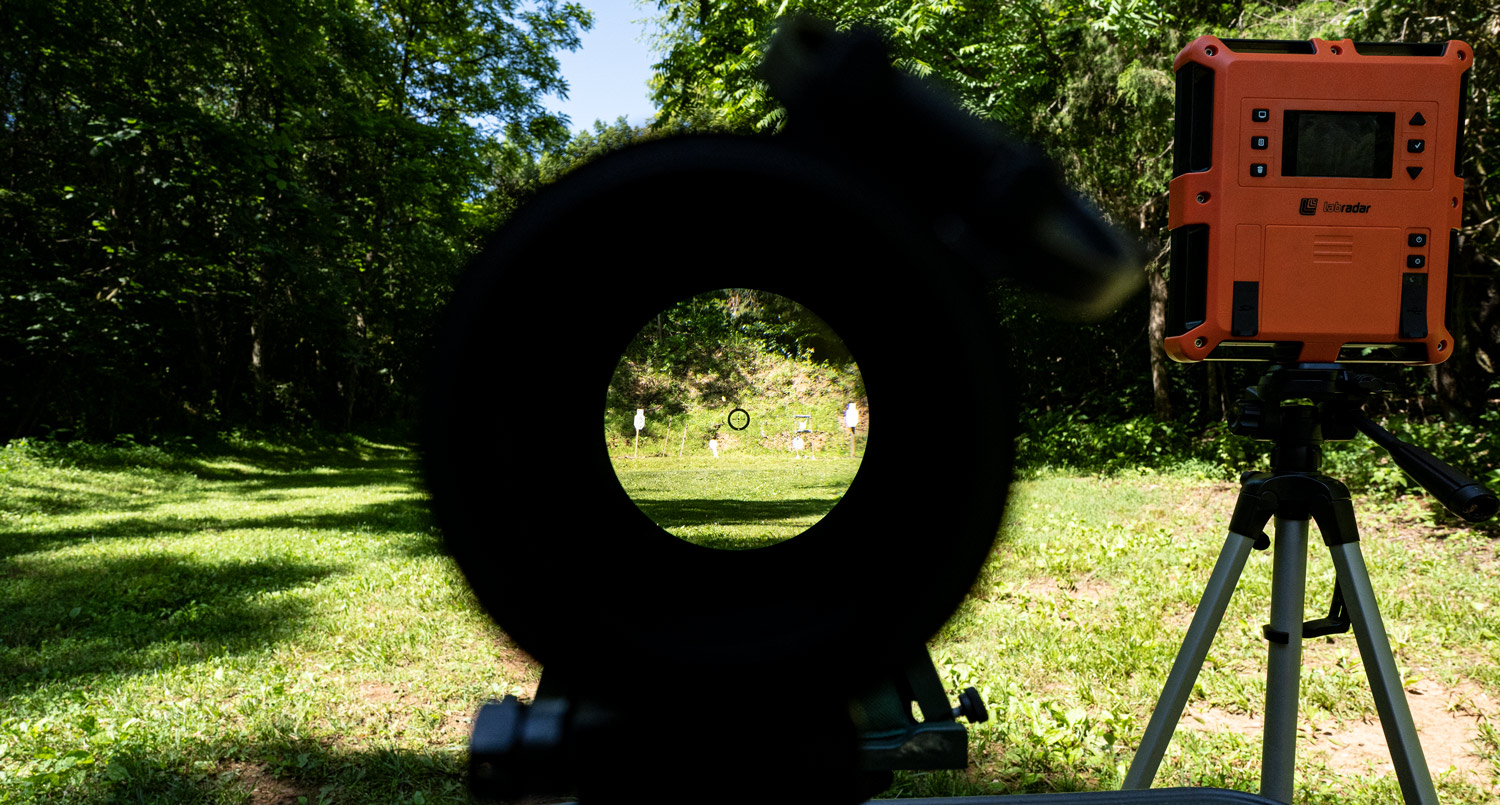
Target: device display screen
{"points": [[1353, 144]]}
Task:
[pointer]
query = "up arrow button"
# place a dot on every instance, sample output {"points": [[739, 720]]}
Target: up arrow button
{"points": [[1417, 120]]}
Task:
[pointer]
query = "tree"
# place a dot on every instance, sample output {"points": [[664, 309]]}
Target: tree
{"points": [[1091, 83], [986, 55], [1463, 384], [239, 209], [1088, 81]]}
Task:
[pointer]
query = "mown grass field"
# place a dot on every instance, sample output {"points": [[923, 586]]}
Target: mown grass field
{"points": [[267, 623], [739, 501]]}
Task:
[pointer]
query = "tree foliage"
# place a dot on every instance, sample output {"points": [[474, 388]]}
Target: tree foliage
{"points": [[1090, 81], [255, 210], [246, 208], [713, 344]]}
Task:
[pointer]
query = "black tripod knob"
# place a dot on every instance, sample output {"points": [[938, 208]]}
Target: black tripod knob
{"points": [[1249, 418], [970, 706]]}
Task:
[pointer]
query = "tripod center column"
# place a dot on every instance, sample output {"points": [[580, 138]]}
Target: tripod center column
{"points": [[1284, 663]]}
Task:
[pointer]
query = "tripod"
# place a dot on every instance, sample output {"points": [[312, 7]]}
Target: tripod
{"points": [[1295, 493]]}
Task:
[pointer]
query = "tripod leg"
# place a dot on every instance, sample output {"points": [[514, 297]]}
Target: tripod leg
{"points": [[1189, 662], [1385, 678], [1284, 662]]}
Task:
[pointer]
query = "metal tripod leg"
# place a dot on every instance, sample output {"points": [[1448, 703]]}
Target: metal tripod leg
{"points": [[1385, 679], [1278, 754], [1200, 634]]}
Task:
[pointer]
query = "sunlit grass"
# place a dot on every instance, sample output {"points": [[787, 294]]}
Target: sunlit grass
{"points": [[738, 501], [208, 629], [270, 623], [1083, 606]]}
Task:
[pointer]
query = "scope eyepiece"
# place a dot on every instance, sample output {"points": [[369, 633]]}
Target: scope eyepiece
{"points": [[609, 602]]}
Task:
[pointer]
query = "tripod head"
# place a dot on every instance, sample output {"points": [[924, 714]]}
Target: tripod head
{"points": [[1298, 408]]}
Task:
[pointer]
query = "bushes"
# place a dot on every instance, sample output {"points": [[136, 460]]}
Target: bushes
{"points": [[1072, 441]]}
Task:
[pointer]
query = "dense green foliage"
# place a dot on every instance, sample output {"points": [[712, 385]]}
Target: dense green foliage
{"points": [[253, 213], [246, 209]]}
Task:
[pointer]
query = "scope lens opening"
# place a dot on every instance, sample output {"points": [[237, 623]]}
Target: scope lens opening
{"points": [[727, 419]]}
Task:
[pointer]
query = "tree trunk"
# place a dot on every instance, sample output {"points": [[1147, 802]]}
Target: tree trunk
{"points": [[257, 341], [1461, 384], [351, 383], [1216, 385], [207, 377], [1156, 330]]}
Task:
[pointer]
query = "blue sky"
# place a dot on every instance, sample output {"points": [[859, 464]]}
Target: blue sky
{"points": [[607, 75]]}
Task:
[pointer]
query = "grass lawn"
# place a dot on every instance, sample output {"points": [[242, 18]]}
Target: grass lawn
{"points": [[739, 501], [276, 624]]}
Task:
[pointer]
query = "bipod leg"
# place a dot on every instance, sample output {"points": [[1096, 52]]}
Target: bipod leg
{"points": [[1284, 658], [1380, 669], [1200, 635]]}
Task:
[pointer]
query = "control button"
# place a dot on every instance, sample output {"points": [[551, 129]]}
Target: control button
{"points": [[1416, 261], [1260, 142], [1417, 120], [1416, 240], [1258, 169], [1416, 146], [1260, 115], [1414, 171]]}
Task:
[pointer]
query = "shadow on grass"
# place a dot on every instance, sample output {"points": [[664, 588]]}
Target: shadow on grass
{"points": [[130, 477], [274, 452], [272, 769], [406, 515], [64, 619], [327, 475], [700, 511]]}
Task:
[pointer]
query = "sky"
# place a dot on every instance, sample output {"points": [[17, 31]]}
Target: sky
{"points": [[607, 75]]}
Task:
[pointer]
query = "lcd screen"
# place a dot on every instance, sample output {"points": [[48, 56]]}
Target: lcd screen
{"points": [[1353, 144]]}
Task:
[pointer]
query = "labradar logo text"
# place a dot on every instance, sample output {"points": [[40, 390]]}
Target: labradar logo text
{"points": [[1309, 206]]}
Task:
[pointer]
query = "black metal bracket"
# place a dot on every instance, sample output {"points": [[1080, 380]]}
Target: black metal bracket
{"points": [[1337, 621]]}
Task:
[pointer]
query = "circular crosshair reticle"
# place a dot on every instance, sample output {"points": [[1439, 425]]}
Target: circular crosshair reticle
{"points": [[554, 548], [739, 419]]}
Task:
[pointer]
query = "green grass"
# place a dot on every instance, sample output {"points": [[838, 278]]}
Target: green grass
{"points": [[1082, 608], [272, 623], [233, 629], [739, 501]]}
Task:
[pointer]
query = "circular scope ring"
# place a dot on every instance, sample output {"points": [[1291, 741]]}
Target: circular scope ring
{"points": [[556, 550]]}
